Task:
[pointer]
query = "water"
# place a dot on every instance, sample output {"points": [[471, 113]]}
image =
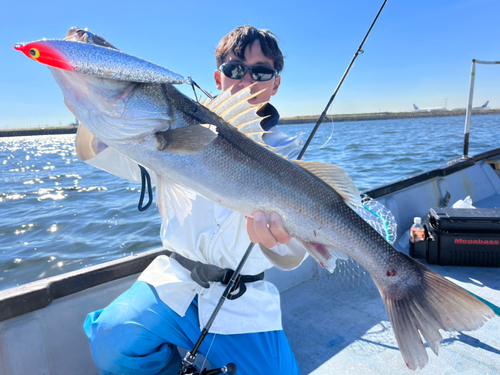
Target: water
{"points": [[58, 214]]}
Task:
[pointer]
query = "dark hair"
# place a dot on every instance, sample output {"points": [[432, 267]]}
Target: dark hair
{"points": [[238, 40]]}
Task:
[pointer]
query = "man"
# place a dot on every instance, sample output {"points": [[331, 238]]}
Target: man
{"points": [[140, 331]]}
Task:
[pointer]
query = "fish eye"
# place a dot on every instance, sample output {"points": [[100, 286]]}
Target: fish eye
{"points": [[34, 53]]}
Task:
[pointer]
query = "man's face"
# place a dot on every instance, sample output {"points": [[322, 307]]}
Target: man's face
{"points": [[253, 57]]}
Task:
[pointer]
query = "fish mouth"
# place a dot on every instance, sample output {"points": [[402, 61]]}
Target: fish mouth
{"points": [[78, 34]]}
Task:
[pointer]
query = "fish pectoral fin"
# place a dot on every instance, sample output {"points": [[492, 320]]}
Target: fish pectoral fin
{"points": [[336, 177], [172, 200], [85, 143], [188, 140], [325, 255]]}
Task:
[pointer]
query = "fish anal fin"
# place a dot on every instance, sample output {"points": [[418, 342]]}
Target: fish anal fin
{"points": [[187, 140], [336, 177], [325, 255]]}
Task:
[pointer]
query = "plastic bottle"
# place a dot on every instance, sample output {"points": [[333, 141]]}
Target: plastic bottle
{"points": [[417, 232]]}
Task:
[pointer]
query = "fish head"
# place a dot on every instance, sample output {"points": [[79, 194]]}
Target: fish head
{"points": [[44, 52]]}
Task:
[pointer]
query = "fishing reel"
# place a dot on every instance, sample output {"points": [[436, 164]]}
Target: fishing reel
{"points": [[230, 368], [188, 367]]}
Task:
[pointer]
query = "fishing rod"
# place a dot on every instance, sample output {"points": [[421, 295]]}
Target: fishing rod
{"points": [[359, 51], [189, 359]]}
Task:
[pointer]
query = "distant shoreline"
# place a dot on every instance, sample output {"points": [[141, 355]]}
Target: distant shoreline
{"points": [[28, 132], [383, 116], [289, 120]]}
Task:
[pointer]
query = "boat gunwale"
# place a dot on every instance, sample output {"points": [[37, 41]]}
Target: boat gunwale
{"points": [[39, 294], [441, 171]]}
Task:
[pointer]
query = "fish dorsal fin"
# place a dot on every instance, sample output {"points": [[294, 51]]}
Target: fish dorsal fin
{"points": [[336, 177], [204, 102], [226, 101], [172, 200], [235, 109]]}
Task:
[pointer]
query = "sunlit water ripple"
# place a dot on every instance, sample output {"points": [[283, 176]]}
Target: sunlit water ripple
{"points": [[57, 214]]}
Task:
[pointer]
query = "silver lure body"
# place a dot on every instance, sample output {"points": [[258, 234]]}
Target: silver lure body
{"points": [[110, 63]]}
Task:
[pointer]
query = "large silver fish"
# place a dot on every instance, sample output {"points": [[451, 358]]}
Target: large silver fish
{"points": [[216, 151]]}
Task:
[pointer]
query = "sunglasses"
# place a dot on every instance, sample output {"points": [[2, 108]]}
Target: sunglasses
{"points": [[258, 73]]}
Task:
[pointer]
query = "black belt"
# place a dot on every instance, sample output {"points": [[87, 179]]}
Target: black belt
{"points": [[204, 273]]}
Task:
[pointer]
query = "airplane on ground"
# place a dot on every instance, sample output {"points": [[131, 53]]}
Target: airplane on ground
{"points": [[429, 109], [484, 106]]}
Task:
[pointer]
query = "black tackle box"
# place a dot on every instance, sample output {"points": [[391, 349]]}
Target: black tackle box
{"points": [[461, 237]]}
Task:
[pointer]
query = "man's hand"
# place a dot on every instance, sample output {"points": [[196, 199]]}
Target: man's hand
{"points": [[269, 234]]}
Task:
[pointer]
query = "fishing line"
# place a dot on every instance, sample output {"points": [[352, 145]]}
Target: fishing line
{"points": [[330, 137], [208, 351]]}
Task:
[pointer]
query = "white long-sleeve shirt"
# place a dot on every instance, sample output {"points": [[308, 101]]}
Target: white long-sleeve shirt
{"points": [[214, 235]]}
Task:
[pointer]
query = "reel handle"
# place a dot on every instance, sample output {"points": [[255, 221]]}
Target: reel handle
{"points": [[230, 369]]}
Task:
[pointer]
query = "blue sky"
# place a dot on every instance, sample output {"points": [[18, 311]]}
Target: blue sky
{"points": [[418, 52]]}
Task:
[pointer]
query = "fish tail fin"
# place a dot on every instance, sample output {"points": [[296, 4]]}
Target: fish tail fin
{"points": [[425, 307]]}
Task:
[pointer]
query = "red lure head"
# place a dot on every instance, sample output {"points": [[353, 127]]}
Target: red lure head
{"points": [[44, 53]]}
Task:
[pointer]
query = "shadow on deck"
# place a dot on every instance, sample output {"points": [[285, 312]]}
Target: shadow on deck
{"points": [[337, 324]]}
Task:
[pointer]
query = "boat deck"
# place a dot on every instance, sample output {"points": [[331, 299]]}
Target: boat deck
{"points": [[337, 324]]}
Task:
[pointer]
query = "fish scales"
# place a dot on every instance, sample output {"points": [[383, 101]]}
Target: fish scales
{"points": [[252, 178], [192, 147]]}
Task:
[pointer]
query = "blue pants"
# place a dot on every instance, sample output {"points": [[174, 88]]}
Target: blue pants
{"points": [[138, 334]]}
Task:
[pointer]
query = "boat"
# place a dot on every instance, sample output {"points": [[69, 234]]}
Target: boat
{"points": [[335, 322]]}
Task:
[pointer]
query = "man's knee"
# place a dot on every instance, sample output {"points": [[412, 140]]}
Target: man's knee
{"points": [[104, 339], [127, 348]]}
